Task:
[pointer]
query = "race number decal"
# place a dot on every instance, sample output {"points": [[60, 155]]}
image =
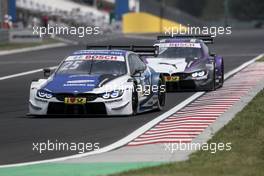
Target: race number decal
{"points": [[71, 65]]}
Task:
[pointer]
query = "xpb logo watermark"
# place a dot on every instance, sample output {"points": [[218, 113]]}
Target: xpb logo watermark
{"points": [[49, 145], [212, 147]]}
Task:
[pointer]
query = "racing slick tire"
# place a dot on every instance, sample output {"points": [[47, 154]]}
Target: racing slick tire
{"points": [[211, 86], [161, 94], [217, 82], [134, 100], [221, 80]]}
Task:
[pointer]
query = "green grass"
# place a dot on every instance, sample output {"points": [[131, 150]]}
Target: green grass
{"points": [[261, 59], [72, 169], [10, 46], [245, 131]]}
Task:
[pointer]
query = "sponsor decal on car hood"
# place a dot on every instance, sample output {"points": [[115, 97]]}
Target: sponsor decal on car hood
{"points": [[75, 83]]}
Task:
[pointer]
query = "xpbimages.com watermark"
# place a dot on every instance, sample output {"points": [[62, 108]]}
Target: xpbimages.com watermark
{"points": [[80, 31], [211, 147], [197, 30], [51, 146]]}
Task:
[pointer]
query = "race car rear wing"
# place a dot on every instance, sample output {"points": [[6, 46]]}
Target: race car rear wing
{"points": [[140, 50], [207, 39]]}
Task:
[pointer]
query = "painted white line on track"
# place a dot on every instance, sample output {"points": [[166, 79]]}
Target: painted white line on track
{"points": [[178, 127], [164, 137], [190, 119], [23, 73], [229, 74], [176, 133], [213, 103], [162, 126], [196, 114], [199, 111], [171, 134], [140, 130], [35, 48], [167, 127], [187, 140], [121, 142]]}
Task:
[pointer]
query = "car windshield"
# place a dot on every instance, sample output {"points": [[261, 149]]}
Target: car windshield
{"points": [[179, 52], [92, 67]]}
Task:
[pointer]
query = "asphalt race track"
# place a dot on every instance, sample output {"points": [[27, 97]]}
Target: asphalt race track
{"points": [[18, 132]]}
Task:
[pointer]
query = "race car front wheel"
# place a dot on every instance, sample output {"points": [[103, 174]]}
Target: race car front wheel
{"points": [[219, 79], [134, 101]]}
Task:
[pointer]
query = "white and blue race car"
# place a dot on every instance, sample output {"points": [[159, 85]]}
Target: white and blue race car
{"points": [[104, 82]]}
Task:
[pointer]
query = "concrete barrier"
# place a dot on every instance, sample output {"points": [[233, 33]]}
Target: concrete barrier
{"points": [[146, 23], [18, 36], [4, 36], [23, 36]]}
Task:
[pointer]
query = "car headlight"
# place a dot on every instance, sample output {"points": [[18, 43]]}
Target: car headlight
{"points": [[113, 94], [44, 94], [198, 74]]}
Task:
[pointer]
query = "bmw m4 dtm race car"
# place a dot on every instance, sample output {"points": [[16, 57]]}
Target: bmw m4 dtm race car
{"points": [[105, 81], [187, 64]]}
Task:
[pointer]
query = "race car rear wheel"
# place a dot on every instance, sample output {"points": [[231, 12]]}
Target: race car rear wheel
{"points": [[161, 94]]}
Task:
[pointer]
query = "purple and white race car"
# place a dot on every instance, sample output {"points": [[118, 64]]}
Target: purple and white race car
{"points": [[187, 64]]}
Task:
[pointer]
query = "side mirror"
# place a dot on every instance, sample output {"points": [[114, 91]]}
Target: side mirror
{"points": [[139, 70], [47, 72]]}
